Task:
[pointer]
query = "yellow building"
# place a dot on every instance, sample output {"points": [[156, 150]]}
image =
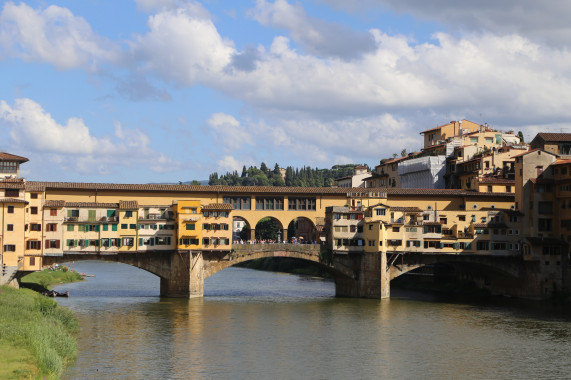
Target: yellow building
{"points": [[189, 224]]}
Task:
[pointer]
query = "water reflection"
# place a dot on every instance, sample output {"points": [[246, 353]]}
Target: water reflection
{"points": [[264, 325]]}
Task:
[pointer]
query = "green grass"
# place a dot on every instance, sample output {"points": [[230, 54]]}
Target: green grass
{"points": [[44, 280], [38, 330]]}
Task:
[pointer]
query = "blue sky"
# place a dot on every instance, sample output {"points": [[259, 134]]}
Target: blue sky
{"points": [[170, 90]]}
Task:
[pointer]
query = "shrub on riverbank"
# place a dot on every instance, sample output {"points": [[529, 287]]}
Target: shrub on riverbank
{"points": [[42, 281], [39, 325]]}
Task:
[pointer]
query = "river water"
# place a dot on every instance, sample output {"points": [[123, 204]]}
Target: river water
{"points": [[261, 325]]}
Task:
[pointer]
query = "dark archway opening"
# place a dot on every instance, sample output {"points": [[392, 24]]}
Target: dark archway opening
{"points": [[302, 230], [269, 230], [240, 230]]}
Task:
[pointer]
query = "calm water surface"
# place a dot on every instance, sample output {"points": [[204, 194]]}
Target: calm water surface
{"points": [[260, 325]]}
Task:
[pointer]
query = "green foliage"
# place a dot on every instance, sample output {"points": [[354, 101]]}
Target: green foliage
{"points": [[300, 177], [39, 325], [268, 228], [49, 277]]}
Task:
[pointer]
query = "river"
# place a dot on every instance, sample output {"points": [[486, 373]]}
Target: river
{"points": [[261, 325]]}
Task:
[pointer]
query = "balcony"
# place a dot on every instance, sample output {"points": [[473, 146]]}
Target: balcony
{"points": [[71, 219]]}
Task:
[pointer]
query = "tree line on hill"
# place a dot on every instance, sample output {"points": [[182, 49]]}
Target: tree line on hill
{"points": [[298, 177]]}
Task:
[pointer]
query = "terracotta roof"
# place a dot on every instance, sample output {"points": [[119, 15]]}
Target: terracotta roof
{"points": [[562, 162], [91, 204], [218, 206], [405, 209], [35, 186], [480, 225], [12, 185], [128, 205], [533, 150], [553, 137], [436, 128], [12, 157], [54, 203], [496, 180], [12, 200]]}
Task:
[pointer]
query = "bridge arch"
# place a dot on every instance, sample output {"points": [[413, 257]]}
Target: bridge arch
{"points": [[248, 252], [303, 229], [269, 228]]}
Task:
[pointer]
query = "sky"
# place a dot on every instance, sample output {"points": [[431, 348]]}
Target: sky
{"points": [[162, 91]]}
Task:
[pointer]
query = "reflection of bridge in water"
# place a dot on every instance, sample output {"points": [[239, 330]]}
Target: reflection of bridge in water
{"points": [[359, 275]]}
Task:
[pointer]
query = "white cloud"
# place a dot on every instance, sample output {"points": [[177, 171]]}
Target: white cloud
{"points": [[182, 46], [228, 132], [317, 36], [545, 21], [33, 129], [53, 35], [230, 163]]}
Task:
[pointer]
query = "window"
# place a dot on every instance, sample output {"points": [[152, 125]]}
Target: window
{"points": [[35, 227], [190, 227], [9, 227], [380, 211], [544, 224], [269, 203], [371, 243], [462, 218], [9, 248], [10, 209], [52, 244], [545, 207], [51, 227], [396, 229], [128, 214], [133, 226], [9, 167], [129, 241], [10, 193], [73, 213], [301, 203], [508, 189], [33, 244], [53, 211], [33, 210], [114, 227], [124, 226], [239, 203]]}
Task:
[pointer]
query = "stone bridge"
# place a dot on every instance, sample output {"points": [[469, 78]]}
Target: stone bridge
{"points": [[356, 275]]}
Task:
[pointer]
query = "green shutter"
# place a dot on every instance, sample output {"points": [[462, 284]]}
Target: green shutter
{"points": [[97, 228], [70, 227], [152, 241], [110, 213], [113, 227], [91, 215], [105, 227], [168, 240], [69, 213], [140, 242], [160, 226]]}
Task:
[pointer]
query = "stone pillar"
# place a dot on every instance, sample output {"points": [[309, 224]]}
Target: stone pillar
{"points": [[284, 235], [253, 234], [186, 277], [370, 280]]}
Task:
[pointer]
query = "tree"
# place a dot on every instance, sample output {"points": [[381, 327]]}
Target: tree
{"points": [[195, 183], [520, 135], [403, 153], [264, 168], [244, 171]]}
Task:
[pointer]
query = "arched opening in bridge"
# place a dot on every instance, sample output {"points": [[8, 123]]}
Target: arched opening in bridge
{"points": [[269, 229], [240, 230], [302, 230]]}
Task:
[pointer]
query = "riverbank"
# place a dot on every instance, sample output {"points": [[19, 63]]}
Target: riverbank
{"points": [[44, 280], [37, 336]]}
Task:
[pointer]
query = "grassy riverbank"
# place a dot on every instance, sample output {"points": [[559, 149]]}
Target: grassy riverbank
{"points": [[44, 280], [36, 335]]}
